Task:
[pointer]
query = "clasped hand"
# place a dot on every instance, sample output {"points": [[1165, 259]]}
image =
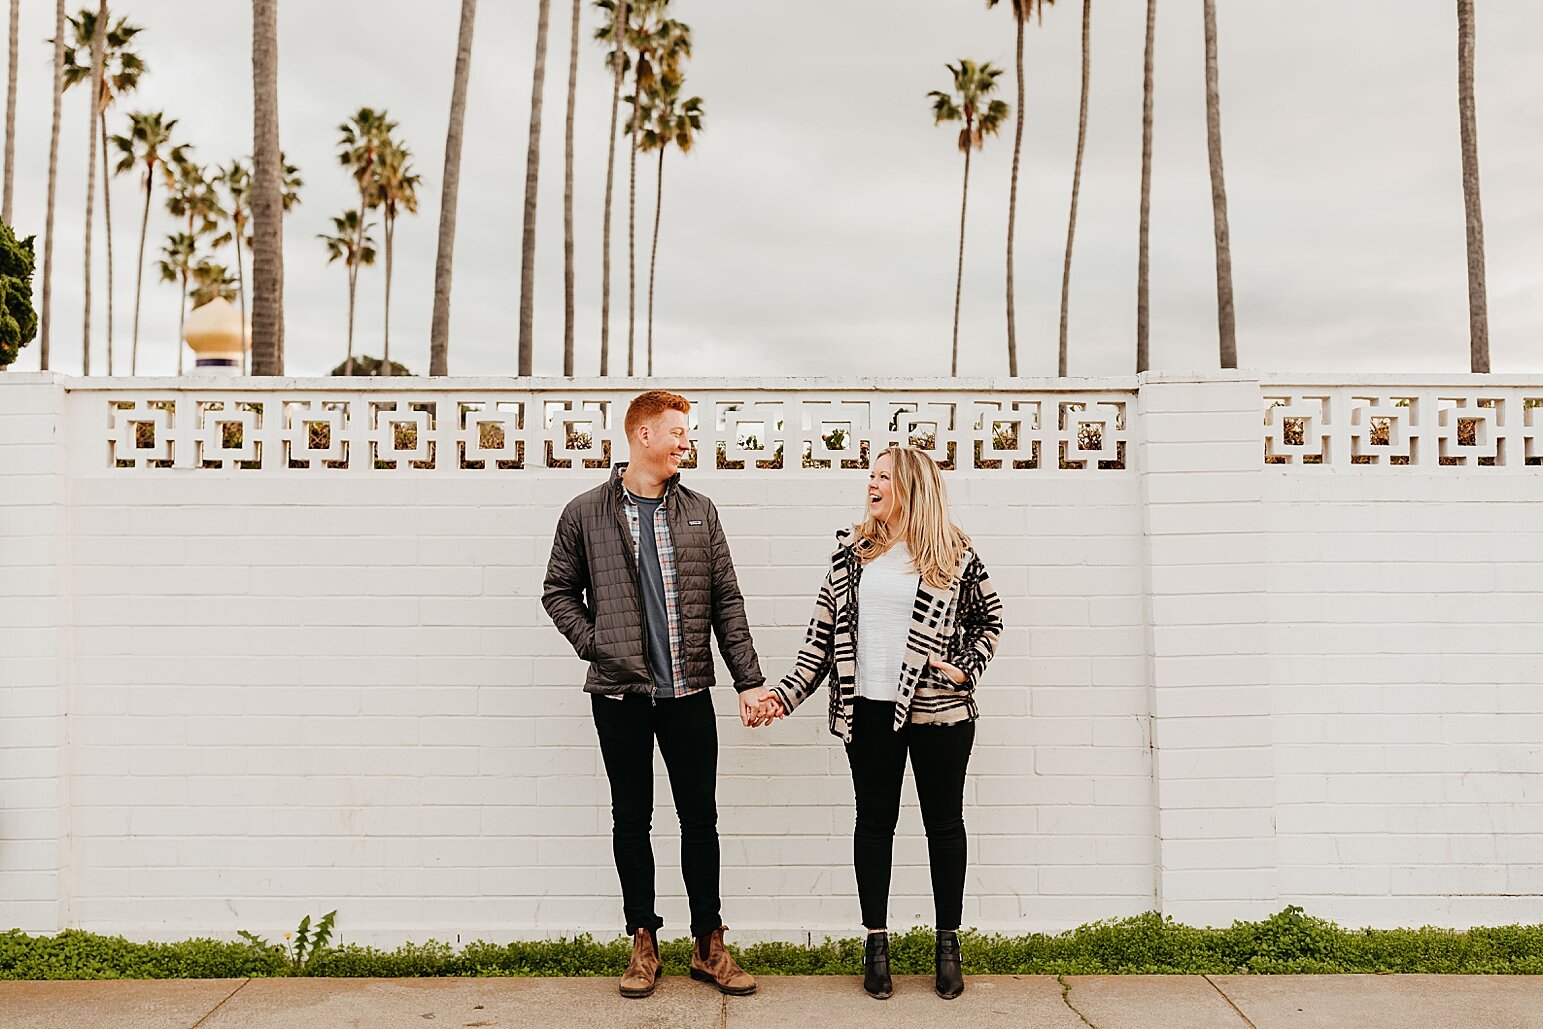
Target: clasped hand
{"points": [[759, 706]]}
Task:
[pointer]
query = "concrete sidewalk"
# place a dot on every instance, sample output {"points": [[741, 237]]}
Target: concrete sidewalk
{"points": [[1077, 1002]]}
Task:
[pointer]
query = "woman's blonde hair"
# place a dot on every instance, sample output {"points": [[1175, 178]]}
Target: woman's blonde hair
{"points": [[937, 545]]}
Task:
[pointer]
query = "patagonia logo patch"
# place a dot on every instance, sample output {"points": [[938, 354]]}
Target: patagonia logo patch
{"points": [[693, 521]]}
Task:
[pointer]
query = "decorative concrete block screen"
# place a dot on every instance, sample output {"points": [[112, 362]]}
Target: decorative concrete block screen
{"points": [[274, 646]]}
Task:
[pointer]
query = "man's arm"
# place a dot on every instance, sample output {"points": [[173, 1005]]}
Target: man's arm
{"points": [[728, 611], [567, 581]]}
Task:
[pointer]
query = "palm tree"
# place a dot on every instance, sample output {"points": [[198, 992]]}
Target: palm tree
{"points": [[669, 121], [1143, 313], [973, 84], [360, 142], [121, 71], [10, 113], [612, 34], [439, 332], [191, 195], [53, 184], [573, 90], [395, 191], [178, 255], [352, 244], [662, 45], [1225, 321], [147, 134], [97, 44], [1071, 218], [236, 178], [211, 280], [267, 195], [532, 172], [1022, 9], [1468, 130]]}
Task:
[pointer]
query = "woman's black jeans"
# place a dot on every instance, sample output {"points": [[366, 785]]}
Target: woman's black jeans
{"points": [[940, 754], [688, 740]]}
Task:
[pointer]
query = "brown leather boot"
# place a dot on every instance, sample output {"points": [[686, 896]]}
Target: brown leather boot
{"points": [[711, 963], [642, 973]]}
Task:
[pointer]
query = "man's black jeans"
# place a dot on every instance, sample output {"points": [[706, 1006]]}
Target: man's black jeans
{"points": [[688, 739], [939, 756]]}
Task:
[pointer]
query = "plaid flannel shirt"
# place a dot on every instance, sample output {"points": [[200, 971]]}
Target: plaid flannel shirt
{"points": [[665, 547]]}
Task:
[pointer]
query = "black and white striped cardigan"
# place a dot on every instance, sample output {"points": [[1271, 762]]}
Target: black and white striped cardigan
{"points": [[961, 624]]}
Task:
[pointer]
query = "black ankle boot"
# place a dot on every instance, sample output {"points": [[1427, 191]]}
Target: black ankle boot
{"points": [[950, 983], [876, 978]]}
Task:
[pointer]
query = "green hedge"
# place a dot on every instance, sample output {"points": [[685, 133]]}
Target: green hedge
{"points": [[1289, 942]]}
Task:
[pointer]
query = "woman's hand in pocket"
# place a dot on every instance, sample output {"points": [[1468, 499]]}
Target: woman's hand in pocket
{"points": [[950, 672]]}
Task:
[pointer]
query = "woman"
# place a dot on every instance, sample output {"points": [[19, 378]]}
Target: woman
{"points": [[905, 623]]}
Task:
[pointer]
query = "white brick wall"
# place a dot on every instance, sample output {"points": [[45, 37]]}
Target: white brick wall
{"points": [[288, 693]]}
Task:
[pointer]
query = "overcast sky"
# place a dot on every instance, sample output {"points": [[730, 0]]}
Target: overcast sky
{"points": [[814, 230]]}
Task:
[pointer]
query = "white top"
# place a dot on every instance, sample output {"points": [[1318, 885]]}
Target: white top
{"points": [[885, 599]]}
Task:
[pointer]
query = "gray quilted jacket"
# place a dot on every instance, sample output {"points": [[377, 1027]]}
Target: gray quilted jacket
{"points": [[591, 591]]}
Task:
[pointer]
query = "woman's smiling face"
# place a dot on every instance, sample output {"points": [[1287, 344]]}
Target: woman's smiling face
{"points": [[881, 495]]}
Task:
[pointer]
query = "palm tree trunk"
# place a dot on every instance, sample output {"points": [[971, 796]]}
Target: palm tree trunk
{"points": [[1143, 314], [45, 330], [10, 114], [107, 233], [439, 332], [139, 272], [385, 358], [532, 173], [1071, 218], [1478, 304], [573, 90], [653, 259], [1225, 319], [1012, 204], [353, 281], [241, 291], [964, 203], [267, 195], [610, 175], [97, 42], [632, 222], [182, 312]]}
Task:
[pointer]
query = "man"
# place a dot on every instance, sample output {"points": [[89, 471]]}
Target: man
{"points": [[640, 574]]}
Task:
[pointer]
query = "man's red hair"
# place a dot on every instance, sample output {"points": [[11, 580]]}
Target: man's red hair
{"points": [[646, 406]]}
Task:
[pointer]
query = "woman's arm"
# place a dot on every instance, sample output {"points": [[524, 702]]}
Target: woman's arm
{"points": [[979, 620], [815, 656]]}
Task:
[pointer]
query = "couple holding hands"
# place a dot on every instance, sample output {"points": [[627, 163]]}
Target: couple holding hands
{"points": [[904, 624]]}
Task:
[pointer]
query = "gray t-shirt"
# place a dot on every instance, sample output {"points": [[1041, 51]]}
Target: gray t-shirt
{"points": [[656, 619]]}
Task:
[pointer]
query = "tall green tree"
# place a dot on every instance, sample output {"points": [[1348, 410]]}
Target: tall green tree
{"points": [[1226, 323], [148, 137], [1143, 306], [10, 113], [121, 71], [568, 282], [611, 34], [395, 192], [669, 121], [236, 181], [1071, 217], [210, 280], [1022, 11], [53, 188], [98, 42], [1473, 214], [969, 103], [532, 173], [18, 321], [267, 194], [190, 196], [450, 193], [178, 256], [360, 141], [351, 243]]}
